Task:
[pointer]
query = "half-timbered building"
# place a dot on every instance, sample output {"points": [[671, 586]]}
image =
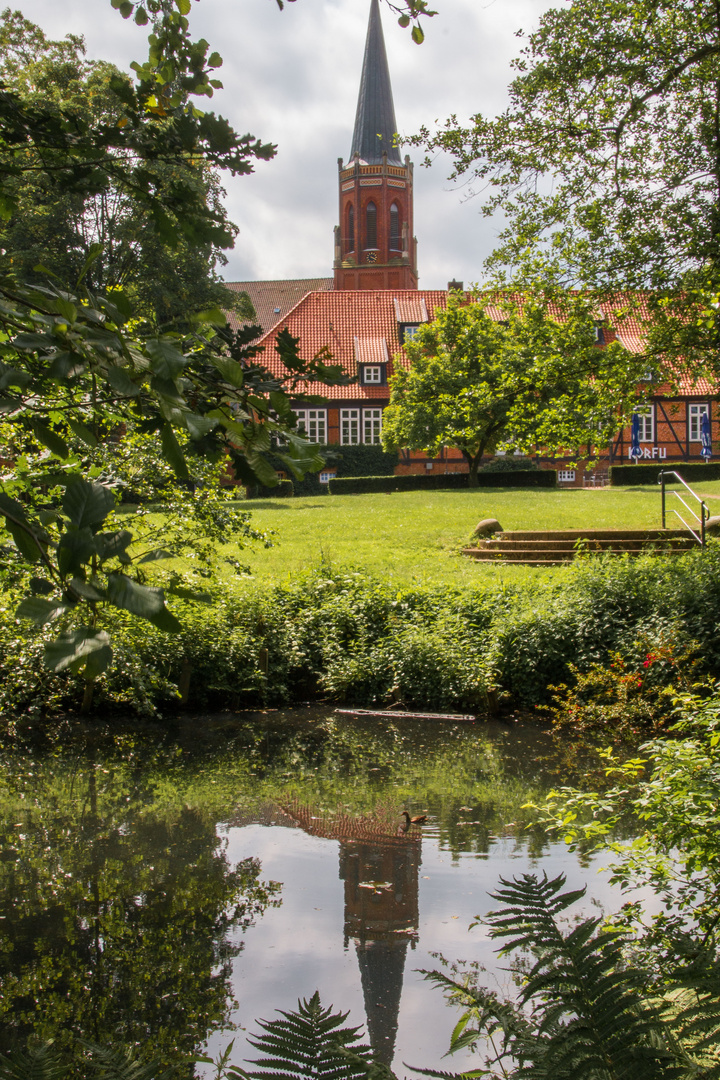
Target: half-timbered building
{"points": [[372, 305]]}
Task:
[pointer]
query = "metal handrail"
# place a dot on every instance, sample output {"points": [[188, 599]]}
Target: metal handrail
{"points": [[704, 512]]}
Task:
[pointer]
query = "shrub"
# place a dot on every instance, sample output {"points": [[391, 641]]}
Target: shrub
{"points": [[284, 489], [509, 465], [544, 478], [334, 633], [649, 472]]}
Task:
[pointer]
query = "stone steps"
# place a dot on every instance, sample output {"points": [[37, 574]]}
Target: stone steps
{"points": [[548, 547]]}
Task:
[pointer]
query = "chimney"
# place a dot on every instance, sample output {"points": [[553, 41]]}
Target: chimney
{"points": [[456, 286]]}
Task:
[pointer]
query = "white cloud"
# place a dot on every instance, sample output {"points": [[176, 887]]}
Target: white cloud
{"points": [[292, 78]]}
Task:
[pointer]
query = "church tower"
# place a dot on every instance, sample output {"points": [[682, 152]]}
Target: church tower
{"points": [[374, 243]]}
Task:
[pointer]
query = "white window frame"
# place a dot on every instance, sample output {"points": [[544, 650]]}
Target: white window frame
{"points": [[647, 424], [372, 426], [349, 427], [410, 331], [696, 411], [314, 422], [566, 476], [327, 475], [372, 373]]}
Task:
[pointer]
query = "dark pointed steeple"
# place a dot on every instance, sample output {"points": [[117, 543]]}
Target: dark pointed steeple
{"points": [[375, 126]]}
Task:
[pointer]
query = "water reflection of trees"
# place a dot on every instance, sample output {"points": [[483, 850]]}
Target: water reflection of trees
{"points": [[115, 911], [120, 910]]}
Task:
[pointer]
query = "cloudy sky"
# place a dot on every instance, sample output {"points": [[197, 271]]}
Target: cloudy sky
{"points": [[291, 77]]}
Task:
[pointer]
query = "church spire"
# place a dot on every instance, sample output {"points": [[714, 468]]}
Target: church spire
{"points": [[375, 126], [374, 243]]}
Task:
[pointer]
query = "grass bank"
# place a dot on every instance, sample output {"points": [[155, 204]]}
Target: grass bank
{"points": [[415, 536]]}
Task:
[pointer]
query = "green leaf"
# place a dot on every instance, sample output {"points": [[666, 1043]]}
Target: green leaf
{"points": [[86, 503], [41, 611], [230, 370], [83, 432], [156, 556], [41, 586], [172, 452], [76, 548], [183, 6], [142, 600], [87, 591], [213, 316], [48, 438], [76, 648], [263, 470], [199, 426], [24, 541], [66, 309], [417, 35], [121, 382], [166, 360], [214, 60], [111, 545], [189, 594]]}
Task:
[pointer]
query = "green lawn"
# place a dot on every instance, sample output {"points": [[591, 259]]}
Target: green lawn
{"points": [[416, 536]]}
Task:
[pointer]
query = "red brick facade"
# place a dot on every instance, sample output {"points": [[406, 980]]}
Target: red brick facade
{"points": [[374, 243], [365, 330]]}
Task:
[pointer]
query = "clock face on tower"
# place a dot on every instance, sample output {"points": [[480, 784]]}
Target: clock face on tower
{"points": [[372, 256]]}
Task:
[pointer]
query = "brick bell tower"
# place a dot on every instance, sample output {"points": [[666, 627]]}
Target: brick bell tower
{"points": [[374, 243]]}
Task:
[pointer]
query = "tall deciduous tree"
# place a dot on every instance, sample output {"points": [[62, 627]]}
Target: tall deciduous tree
{"points": [[534, 378], [607, 160], [52, 229]]}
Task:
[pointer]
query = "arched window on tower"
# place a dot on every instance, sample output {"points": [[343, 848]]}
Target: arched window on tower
{"points": [[351, 229], [395, 241], [371, 225]]}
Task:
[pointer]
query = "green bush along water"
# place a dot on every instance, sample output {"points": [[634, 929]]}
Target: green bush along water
{"points": [[338, 636]]}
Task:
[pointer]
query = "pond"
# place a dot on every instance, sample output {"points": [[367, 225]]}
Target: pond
{"points": [[171, 888]]}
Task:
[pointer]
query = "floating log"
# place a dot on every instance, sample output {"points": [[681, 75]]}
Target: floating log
{"points": [[396, 714]]}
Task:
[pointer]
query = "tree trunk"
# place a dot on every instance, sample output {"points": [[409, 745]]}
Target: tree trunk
{"points": [[473, 461], [88, 696]]}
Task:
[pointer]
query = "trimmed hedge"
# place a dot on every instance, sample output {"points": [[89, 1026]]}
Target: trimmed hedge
{"points": [[358, 485], [361, 460], [282, 490], [648, 473]]}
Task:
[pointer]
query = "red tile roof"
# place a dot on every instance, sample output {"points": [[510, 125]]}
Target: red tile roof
{"points": [[371, 350], [410, 309], [335, 319], [273, 299], [361, 326]]}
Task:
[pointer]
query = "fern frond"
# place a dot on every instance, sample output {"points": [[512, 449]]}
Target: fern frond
{"points": [[108, 1063], [695, 1011], [310, 1042], [37, 1063], [591, 1016], [440, 1075]]}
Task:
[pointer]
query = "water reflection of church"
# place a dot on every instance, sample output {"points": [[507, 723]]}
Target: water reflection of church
{"points": [[379, 865]]}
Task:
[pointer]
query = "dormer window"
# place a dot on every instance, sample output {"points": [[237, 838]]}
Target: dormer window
{"points": [[409, 333], [373, 374]]}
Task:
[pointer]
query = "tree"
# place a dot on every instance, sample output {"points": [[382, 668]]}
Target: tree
{"points": [[75, 360], [75, 364], [52, 230], [536, 379], [606, 162]]}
